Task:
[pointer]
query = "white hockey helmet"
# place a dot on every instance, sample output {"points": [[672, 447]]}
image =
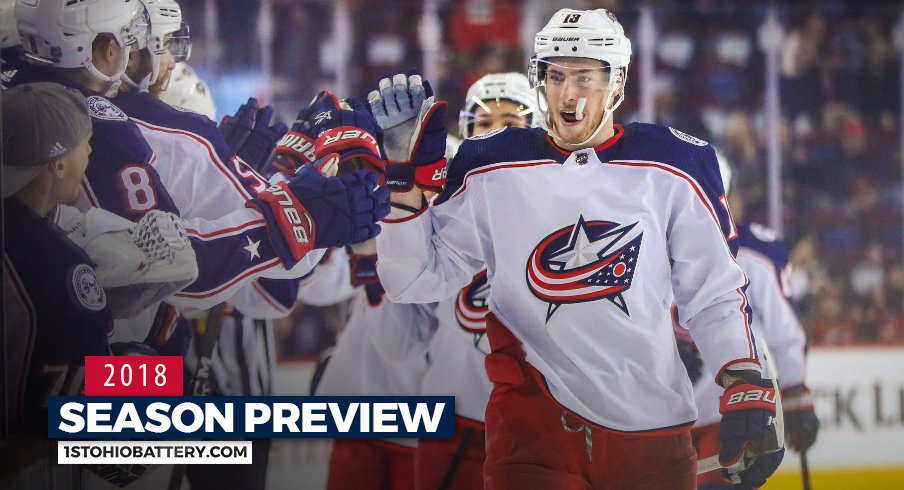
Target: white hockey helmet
{"points": [[8, 34], [495, 87], [164, 17], [187, 91], [593, 34], [62, 32]]}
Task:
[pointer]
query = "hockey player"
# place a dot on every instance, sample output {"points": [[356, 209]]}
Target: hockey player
{"points": [[588, 231], [233, 245], [355, 365], [458, 346], [765, 260], [56, 310]]}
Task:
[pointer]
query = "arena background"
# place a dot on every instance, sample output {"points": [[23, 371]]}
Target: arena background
{"points": [[802, 97]]}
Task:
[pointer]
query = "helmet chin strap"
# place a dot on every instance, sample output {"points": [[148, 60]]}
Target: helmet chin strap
{"points": [[149, 79], [116, 79]]}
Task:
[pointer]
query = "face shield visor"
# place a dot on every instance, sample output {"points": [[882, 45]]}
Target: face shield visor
{"points": [[172, 47], [487, 115], [576, 96]]}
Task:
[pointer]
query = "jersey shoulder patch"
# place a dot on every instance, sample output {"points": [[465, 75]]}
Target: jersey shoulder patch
{"points": [[686, 137], [101, 108], [507, 145], [488, 134], [86, 289], [764, 241]]}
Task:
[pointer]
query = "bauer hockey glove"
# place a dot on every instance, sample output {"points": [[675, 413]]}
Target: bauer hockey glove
{"points": [[312, 211], [801, 424], [414, 130], [329, 125], [236, 128], [749, 446]]}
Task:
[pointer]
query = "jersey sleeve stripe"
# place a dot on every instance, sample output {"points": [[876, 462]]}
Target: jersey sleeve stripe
{"points": [[235, 230], [218, 163], [206, 294], [278, 306], [709, 207]]}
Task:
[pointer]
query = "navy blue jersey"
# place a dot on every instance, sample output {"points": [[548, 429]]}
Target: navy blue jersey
{"points": [[136, 166], [55, 314], [767, 243]]}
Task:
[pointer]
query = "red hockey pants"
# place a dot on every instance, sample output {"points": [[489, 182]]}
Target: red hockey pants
{"points": [[529, 448], [452, 464], [371, 464]]}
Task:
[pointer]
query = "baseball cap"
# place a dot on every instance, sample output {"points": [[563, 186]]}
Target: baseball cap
{"points": [[42, 122]]}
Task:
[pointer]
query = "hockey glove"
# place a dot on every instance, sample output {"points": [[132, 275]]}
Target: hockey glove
{"points": [[312, 211], [259, 144], [138, 264], [749, 446], [329, 125], [801, 424], [236, 128], [414, 129]]}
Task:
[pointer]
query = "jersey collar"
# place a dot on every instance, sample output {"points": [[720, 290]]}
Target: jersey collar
{"points": [[619, 131]]}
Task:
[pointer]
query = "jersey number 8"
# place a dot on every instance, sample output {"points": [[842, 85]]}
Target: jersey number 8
{"points": [[139, 189]]}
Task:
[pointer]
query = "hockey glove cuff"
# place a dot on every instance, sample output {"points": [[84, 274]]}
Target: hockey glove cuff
{"points": [[749, 446]]}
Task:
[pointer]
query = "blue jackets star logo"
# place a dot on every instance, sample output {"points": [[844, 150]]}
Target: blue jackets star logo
{"points": [[586, 261]]}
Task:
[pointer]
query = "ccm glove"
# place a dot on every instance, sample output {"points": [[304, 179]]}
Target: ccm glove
{"points": [[749, 447], [414, 129], [312, 211], [801, 424], [329, 125]]}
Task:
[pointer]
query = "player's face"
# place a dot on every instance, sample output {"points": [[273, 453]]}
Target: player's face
{"points": [[73, 170], [167, 63], [496, 115], [567, 81]]}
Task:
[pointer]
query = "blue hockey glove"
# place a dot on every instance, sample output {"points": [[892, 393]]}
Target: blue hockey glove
{"points": [[311, 210], [414, 129], [259, 144], [329, 125], [749, 446], [238, 127], [801, 423]]}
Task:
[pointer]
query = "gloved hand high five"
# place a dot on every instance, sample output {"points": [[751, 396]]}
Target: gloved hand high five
{"points": [[329, 125], [414, 130], [250, 135], [311, 210], [750, 448], [801, 424], [237, 127]]}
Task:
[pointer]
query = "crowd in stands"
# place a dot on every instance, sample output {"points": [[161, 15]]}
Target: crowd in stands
{"points": [[840, 106]]}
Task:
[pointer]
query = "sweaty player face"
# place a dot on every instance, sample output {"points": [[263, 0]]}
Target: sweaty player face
{"points": [[567, 81], [495, 114]]}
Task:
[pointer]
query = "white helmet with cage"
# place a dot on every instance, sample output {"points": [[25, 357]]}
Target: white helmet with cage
{"points": [[8, 35], [61, 33], [187, 91], [593, 34], [164, 18], [495, 87]]}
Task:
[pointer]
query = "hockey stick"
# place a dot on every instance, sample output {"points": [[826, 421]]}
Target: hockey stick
{"points": [[456, 459], [711, 463], [805, 470], [207, 342]]}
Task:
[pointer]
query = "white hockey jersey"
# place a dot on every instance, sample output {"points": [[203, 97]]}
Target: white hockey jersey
{"points": [[765, 259], [585, 252], [357, 367]]}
